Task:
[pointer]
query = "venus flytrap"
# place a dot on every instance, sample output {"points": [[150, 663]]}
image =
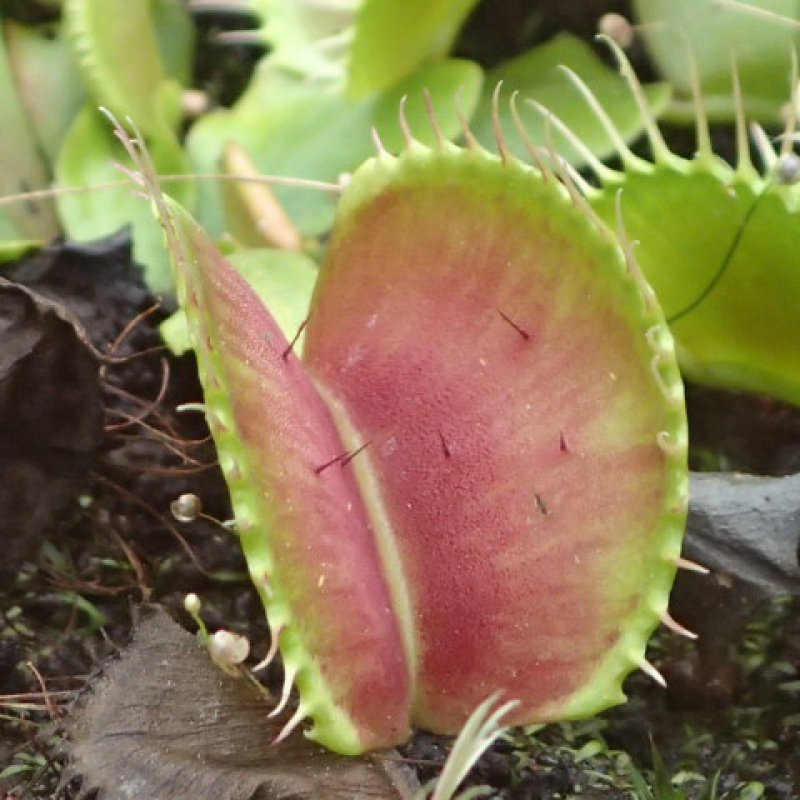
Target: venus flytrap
{"points": [[474, 480], [145, 83], [695, 40], [717, 243]]}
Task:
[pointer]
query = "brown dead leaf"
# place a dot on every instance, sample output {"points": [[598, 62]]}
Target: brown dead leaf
{"points": [[50, 416], [164, 722]]}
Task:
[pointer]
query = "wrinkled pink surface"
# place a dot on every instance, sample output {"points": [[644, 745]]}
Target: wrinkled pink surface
{"points": [[511, 497], [321, 539]]}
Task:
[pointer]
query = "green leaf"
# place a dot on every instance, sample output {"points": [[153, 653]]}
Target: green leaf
{"points": [[704, 240], [14, 249], [306, 38], [22, 167], [48, 82], [119, 55], [710, 34], [175, 33], [307, 129], [537, 76], [392, 40], [717, 244]]}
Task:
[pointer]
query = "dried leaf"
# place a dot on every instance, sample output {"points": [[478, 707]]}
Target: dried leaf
{"points": [[50, 416], [165, 722]]}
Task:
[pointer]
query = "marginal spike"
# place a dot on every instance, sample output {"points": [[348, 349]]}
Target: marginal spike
{"points": [[265, 584], [579, 182], [470, 141], [299, 715], [791, 116], [502, 149], [408, 136], [289, 674], [131, 174], [533, 151], [655, 338], [274, 646], [764, 13], [671, 448], [631, 262], [625, 154], [571, 179], [562, 171], [676, 627], [744, 164], [765, 150], [379, 146], [605, 174], [691, 566], [651, 672], [441, 140], [655, 364], [657, 144], [702, 131]]}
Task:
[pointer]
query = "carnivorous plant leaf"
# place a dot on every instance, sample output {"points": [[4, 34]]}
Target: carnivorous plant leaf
{"points": [[538, 76], [48, 82], [175, 34], [282, 279], [475, 480], [308, 39], [120, 77], [496, 352], [132, 83], [712, 35], [363, 47], [22, 167], [706, 230], [318, 570], [386, 48]]}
